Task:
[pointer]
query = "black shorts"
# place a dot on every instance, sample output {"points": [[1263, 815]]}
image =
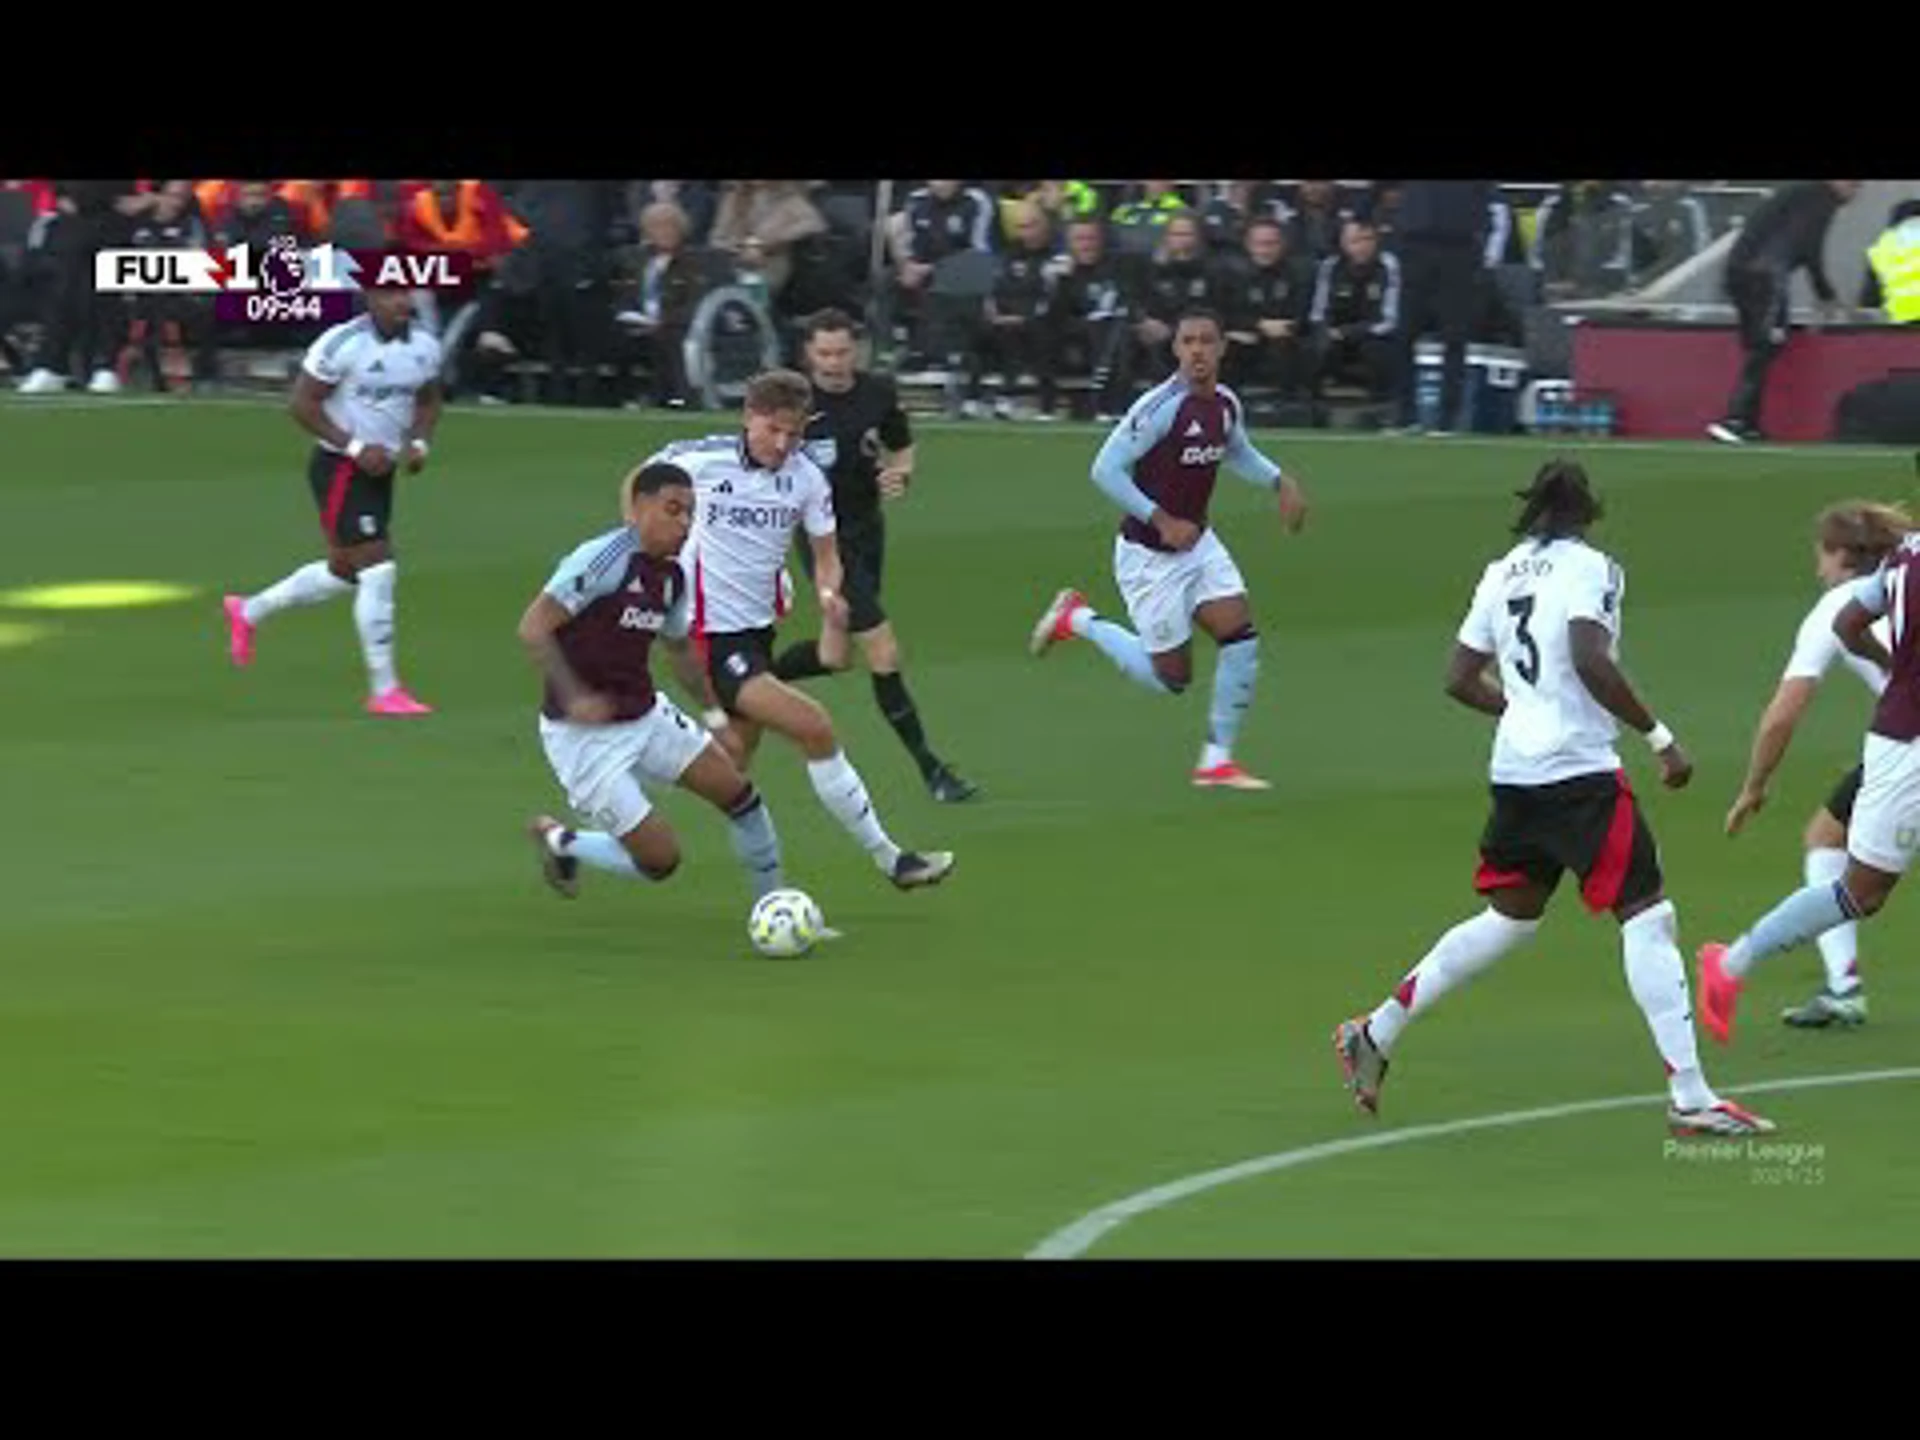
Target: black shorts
{"points": [[1840, 802], [735, 658], [1590, 825], [354, 506], [863, 551]]}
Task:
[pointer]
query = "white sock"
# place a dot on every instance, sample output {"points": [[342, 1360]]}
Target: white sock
{"points": [[844, 794], [1840, 946], [373, 614], [308, 585], [1456, 957], [1658, 978], [595, 848], [1212, 755]]}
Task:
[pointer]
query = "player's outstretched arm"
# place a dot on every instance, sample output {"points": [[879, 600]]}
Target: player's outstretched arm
{"points": [[1591, 644], [1246, 461], [1770, 740], [538, 625], [1467, 681]]}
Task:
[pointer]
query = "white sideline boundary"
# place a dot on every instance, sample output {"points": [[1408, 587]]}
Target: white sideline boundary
{"points": [[1074, 1240], [11, 404]]}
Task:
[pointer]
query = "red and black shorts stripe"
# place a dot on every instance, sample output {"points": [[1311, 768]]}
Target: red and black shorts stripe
{"points": [[1590, 825], [355, 507]]}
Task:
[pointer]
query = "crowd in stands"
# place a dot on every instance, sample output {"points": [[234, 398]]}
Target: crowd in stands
{"points": [[1047, 282]]}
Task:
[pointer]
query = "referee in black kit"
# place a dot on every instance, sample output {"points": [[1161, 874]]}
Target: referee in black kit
{"points": [[860, 437], [1438, 234], [1787, 233]]}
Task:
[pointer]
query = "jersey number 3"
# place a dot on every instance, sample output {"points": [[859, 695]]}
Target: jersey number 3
{"points": [[1529, 665]]}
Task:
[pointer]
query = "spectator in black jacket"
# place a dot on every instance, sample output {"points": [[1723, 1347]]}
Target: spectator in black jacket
{"points": [[659, 293], [168, 328], [1356, 314], [1088, 316], [81, 324], [939, 218], [1787, 233], [1315, 218], [1265, 308], [570, 221], [1583, 240], [1226, 217], [1180, 276], [256, 216], [1013, 333], [1440, 245]]}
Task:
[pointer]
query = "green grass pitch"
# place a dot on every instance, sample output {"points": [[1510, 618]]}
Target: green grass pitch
{"points": [[281, 979]]}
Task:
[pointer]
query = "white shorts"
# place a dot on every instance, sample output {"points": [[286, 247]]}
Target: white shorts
{"points": [[1163, 588], [1886, 818], [603, 768]]}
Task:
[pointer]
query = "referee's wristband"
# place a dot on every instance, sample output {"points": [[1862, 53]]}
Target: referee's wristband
{"points": [[354, 447], [1659, 738]]}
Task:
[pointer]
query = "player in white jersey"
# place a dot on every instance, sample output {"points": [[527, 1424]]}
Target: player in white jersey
{"points": [[369, 390], [751, 492], [1851, 539], [1549, 611]]}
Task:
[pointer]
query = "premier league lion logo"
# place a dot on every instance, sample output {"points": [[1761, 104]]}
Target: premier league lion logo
{"points": [[282, 268]]}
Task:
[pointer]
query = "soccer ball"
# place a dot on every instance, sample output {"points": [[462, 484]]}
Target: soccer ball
{"points": [[785, 924]]}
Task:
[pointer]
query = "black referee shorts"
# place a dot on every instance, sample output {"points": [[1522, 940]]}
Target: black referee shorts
{"points": [[863, 553]]}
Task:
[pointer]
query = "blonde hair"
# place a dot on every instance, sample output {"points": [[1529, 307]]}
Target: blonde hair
{"points": [[778, 391], [1867, 531]]}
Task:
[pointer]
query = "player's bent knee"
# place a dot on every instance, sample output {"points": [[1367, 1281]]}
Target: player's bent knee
{"points": [[1825, 832], [1239, 635], [1176, 675], [653, 848], [816, 737], [1868, 896], [658, 857], [812, 730]]}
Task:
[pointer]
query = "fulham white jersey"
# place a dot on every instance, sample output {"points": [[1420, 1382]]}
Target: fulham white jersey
{"points": [[1553, 729], [375, 380], [1816, 647], [743, 525]]}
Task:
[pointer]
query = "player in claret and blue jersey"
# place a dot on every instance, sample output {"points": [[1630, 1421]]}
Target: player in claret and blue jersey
{"points": [[1159, 465], [608, 732], [1884, 830]]}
